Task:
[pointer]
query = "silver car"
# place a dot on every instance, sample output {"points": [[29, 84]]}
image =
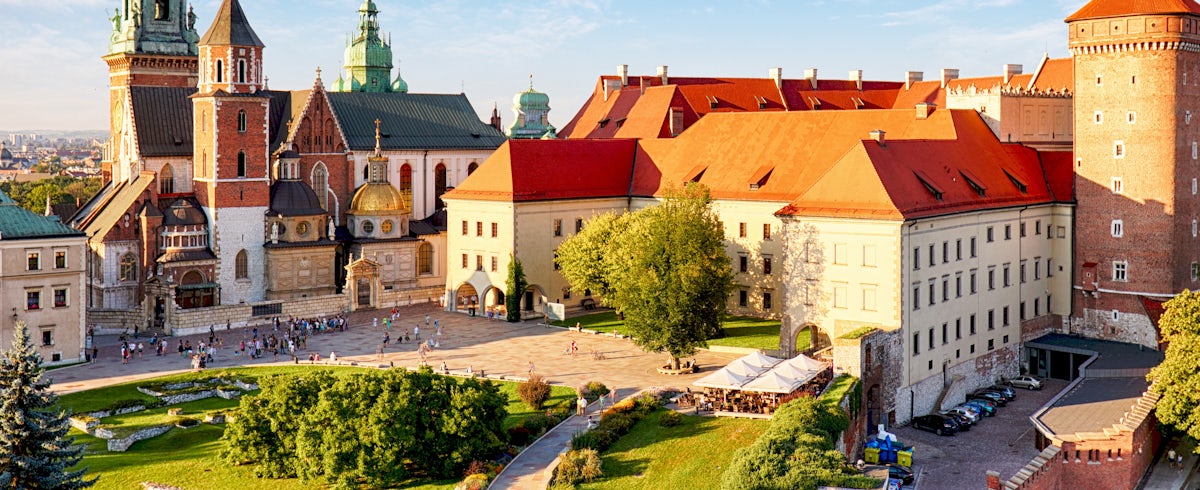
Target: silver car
{"points": [[971, 415], [1027, 382]]}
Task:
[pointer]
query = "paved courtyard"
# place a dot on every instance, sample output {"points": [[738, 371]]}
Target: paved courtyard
{"points": [[492, 346], [1004, 443]]}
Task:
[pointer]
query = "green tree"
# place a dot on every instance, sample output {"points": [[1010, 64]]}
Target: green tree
{"points": [[266, 429], [35, 452], [664, 267], [1175, 379], [516, 288]]}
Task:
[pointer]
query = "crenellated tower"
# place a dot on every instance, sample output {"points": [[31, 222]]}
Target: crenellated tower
{"points": [[1137, 95], [231, 152]]}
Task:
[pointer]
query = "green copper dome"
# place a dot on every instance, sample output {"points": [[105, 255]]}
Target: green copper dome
{"points": [[531, 109], [532, 99], [368, 57]]}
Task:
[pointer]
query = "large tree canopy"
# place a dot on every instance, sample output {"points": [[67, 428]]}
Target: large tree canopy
{"points": [[664, 267], [1176, 380]]}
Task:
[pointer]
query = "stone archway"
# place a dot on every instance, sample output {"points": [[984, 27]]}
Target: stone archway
{"points": [[362, 284], [533, 299], [493, 301], [466, 298], [818, 339]]}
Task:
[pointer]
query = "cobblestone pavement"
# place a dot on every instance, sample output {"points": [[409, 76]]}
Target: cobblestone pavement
{"points": [[492, 346], [1004, 443]]}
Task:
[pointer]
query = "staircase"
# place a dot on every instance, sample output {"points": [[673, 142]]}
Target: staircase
{"points": [[955, 379]]}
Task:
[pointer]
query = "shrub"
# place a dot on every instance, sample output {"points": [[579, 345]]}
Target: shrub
{"points": [[616, 422], [582, 465], [534, 392], [594, 390], [536, 423], [519, 436], [586, 440], [476, 467], [670, 419], [562, 412], [624, 406], [646, 403], [475, 481]]}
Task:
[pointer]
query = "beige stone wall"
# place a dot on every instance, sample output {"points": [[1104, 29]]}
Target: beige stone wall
{"points": [[56, 330], [299, 272]]}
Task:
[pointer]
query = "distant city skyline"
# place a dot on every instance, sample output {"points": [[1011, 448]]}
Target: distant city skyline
{"points": [[56, 81]]}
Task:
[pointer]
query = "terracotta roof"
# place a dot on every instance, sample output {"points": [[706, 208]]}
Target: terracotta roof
{"points": [[230, 27], [924, 91], [1055, 75], [1097, 9], [540, 170], [1060, 174]]}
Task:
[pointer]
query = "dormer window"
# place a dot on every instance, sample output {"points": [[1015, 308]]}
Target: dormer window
{"points": [[1017, 182], [762, 101], [929, 185], [712, 101], [974, 182]]}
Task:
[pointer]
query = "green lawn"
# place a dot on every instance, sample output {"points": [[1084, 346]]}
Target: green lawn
{"points": [[690, 455], [740, 331], [841, 385], [190, 458]]}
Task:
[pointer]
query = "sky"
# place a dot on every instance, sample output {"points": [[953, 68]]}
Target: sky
{"points": [[52, 77]]}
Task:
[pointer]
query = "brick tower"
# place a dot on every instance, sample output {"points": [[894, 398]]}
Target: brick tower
{"points": [[231, 151], [152, 44], [1137, 90]]}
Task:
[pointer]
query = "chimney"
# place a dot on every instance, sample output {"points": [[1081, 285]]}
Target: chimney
{"points": [[856, 77], [878, 136], [810, 74], [911, 77], [623, 72], [776, 74], [1010, 70], [662, 73], [924, 109], [949, 74]]}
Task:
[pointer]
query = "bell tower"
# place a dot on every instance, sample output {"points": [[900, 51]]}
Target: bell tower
{"points": [[1136, 97], [230, 156], [368, 58]]}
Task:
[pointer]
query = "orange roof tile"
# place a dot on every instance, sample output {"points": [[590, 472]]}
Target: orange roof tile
{"points": [[1055, 75], [923, 91], [539, 170], [1097, 9]]}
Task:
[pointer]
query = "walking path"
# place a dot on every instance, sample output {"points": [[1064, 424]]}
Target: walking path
{"points": [[1166, 475], [490, 346]]}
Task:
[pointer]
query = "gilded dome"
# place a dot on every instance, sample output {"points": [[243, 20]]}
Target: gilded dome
{"points": [[377, 197]]}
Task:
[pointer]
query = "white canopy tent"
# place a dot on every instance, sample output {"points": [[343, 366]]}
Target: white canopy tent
{"points": [[761, 373], [800, 367], [773, 382], [723, 378], [752, 364]]}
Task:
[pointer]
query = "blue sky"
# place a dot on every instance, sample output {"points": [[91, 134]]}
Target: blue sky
{"points": [[51, 75]]}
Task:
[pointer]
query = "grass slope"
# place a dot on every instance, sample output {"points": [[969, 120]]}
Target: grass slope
{"points": [[740, 331], [190, 458], [691, 455]]}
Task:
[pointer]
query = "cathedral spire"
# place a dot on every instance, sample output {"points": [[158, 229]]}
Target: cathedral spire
{"points": [[368, 57]]}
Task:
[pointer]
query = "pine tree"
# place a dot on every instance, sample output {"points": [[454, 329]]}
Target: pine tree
{"points": [[34, 450]]}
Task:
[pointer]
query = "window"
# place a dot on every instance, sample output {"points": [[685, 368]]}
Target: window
{"points": [[578, 225], [743, 265], [479, 262], [464, 228], [916, 296], [991, 234], [945, 288], [241, 264], [974, 272], [241, 164], [1037, 306], [166, 180], [839, 254], [464, 261], [47, 338], [1005, 316], [1131, 117], [839, 295], [60, 259], [1187, 117], [1195, 270], [958, 285], [470, 170], [1120, 271], [932, 291], [1098, 117], [1195, 227], [1008, 232], [1195, 151], [241, 78], [945, 252], [478, 228], [916, 343], [1119, 149], [1022, 271], [810, 291], [1194, 187], [1037, 268], [916, 258], [1023, 229], [958, 329], [945, 337], [972, 348], [555, 261], [439, 185], [931, 340], [1099, 80], [991, 344], [973, 247], [220, 71], [495, 264], [128, 267], [741, 230], [991, 319], [558, 227], [406, 187], [1021, 311], [868, 297], [1117, 186], [971, 324], [1037, 227], [241, 121], [425, 259], [766, 301], [33, 300], [958, 249], [743, 298], [161, 12], [1007, 275], [1118, 228], [991, 278], [766, 231], [932, 259], [767, 265], [33, 261], [495, 230], [60, 298], [868, 256]]}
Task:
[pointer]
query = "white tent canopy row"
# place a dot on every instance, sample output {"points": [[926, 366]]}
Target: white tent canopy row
{"points": [[761, 373]]}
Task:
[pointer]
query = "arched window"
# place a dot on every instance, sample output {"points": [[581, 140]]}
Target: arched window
{"points": [[406, 185], [366, 173], [241, 264], [241, 164], [220, 71], [320, 184], [241, 71], [166, 180], [241, 121], [471, 168], [128, 267], [425, 259], [439, 184]]}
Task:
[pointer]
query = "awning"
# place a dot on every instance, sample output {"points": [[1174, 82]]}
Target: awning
{"points": [[722, 378], [202, 285]]}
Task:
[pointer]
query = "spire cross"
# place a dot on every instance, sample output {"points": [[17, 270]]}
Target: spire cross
{"points": [[531, 81], [378, 150]]}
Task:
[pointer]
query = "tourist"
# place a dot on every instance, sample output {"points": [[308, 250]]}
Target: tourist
{"points": [[581, 404], [332, 356], [139, 348], [95, 354], [445, 369], [531, 367], [426, 320], [417, 332], [574, 348]]}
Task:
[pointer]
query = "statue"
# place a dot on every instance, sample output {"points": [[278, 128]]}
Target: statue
{"points": [[191, 16], [331, 229], [135, 11], [116, 20], [274, 232]]}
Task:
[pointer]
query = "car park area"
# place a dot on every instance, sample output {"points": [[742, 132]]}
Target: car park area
{"points": [[1003, 443]]}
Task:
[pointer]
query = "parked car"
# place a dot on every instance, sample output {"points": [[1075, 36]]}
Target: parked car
{"points": [[964, 423], [897, 472], [937, 424], [971, 415], [986, 407], [974, 409], [1027, 382], [1004, 390], [996, 398], [1004, 396]]}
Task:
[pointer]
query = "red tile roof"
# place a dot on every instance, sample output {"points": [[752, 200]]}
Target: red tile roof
{"points": [[1055, 75], [1097, 9], [539, 170]]}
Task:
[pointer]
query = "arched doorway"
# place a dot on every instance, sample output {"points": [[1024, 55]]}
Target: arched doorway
{"points": [[814, 336], [194, 291], [533, 299], [466, 298], [874, 408], [493, 301]]}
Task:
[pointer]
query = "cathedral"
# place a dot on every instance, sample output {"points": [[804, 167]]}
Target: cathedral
{"points": [[225, 199]]}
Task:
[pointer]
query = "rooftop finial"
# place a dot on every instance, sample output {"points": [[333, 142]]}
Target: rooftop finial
{"points": [[378, 150], [530, 81]]}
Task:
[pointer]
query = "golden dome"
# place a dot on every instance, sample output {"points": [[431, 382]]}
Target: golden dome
{"points": [[377, 197]]}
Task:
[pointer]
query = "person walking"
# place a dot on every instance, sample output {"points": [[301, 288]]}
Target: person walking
{"points": [[581, 405], [531, 367]]}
